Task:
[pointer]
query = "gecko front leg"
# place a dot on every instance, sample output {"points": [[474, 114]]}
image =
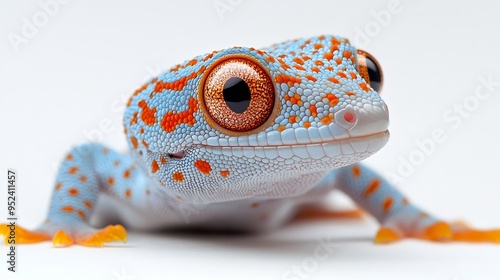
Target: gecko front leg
{"points": [[398, 217], [85, 173]]}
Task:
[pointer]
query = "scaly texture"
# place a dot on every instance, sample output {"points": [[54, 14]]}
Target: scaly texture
{"points": [[240, 139]]}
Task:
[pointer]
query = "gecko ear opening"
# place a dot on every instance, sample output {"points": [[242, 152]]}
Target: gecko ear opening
{"points": [[370, 70]]}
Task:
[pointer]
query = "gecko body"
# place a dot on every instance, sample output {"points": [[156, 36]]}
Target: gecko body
{"points": [[242, 139]]}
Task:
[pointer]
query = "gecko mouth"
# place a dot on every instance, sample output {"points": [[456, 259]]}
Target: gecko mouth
{"points": [[345, 147]]}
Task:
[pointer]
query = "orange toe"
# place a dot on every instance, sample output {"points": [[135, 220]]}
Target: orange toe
{"points": [[108, 234], [62, 239], [473, 235], [22, 236], [386, 235], [439, 231]]}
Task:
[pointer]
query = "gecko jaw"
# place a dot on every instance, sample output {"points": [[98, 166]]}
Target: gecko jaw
{"points": [[359, 146]]}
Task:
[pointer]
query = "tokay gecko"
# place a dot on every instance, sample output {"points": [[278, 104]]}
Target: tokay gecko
{"points": [[243, 139]]}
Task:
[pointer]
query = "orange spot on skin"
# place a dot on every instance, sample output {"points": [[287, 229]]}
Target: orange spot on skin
{"points": [[192, 62], [356, 171], [111, 181], [328, 55], [144, 143], [67, 209], [329, 68], [175, 68], [347, 54], [82, 215], [283, 64], [387, 204], [289, 80], [210, 55], [69, 157], [281, 128], [178, 176], [298, 67], [255, 205], [353, 75], [350, 93], [372, 187], [58, 186], [338, 61], [171, 120], [325, 120], [88, 204], [203, 166], [311, 78], [313, 110], [134, 118], [365, 87], [116, 163], [126, 174], [342, 74], [292, 119], [202, 69], [135, 144], [333, 80], [332, 99], [318, 46], [319, 63], [175, 85], [163, 160], [224, 173], [270, 59], [148, 114], [298, 60], [307, 124], [315, 69], [72, 170], [154, 166], [73, 192], [296, 99], [128, 193], [306, 58]]}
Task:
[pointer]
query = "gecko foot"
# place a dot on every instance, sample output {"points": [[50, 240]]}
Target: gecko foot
{"points": [[63, 236], [439, 232], [462, 232], [21, 235]]}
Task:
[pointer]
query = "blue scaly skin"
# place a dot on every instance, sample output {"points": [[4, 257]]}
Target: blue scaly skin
{"points": [[242, 139]]}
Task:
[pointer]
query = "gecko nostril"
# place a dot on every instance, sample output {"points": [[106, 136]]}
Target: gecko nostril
{"points": [[350, 117]]}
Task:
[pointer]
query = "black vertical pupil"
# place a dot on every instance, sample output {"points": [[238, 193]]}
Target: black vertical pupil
{"points": [[374, 73], [236, 94]]}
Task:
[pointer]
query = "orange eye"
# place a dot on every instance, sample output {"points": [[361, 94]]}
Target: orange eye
{"points": [[370, 70], [238, 95]]}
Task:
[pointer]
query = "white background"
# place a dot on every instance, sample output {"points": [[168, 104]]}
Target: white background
{"points": [[75, 71]]}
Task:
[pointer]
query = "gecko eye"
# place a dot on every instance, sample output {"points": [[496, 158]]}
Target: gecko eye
{"points": [[238, 95], [370, 70]]}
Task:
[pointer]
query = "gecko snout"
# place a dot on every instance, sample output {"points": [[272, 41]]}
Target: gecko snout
{"points": [[358, 121]]}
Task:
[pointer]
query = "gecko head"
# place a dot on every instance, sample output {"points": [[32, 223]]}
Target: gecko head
{"points": [[241, 122]]}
